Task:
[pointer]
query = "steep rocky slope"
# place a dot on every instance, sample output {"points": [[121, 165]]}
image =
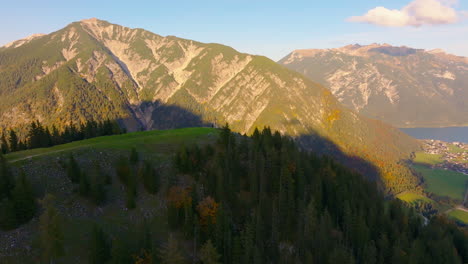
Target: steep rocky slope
{"points": [[403, 86], [95, 69]]}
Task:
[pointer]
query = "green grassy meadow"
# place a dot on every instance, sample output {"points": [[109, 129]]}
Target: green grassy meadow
{"points": [[147, 141], [429, 159], [411, 197], [443, 182], [459, 215]]}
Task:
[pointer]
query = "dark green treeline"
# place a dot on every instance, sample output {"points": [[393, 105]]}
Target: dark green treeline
{"points": [[39, 136]]}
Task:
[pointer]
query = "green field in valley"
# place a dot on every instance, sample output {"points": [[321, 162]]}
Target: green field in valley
{"points": [[162, 140], [426, 158], [411, 197], [459, 215], [443, 182]]}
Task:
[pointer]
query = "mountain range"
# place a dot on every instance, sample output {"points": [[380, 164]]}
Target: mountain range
{"points": [[93, 69], [403, 86]]}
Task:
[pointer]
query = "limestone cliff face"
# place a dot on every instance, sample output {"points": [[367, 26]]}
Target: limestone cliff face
{"points": [[95, 69], [399, 85]]}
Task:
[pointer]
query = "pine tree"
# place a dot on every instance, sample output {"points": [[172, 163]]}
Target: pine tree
{"points": [[120, 252], [4, 145], [225, 136], [130, 198], [97, 190], [33, 136], [22, 145], [99, 246], [310, 223], [237, 253], [84, 187], [73, 170], [134, 157], [56, 136], [23, 197], [208, 254], [13, 141], [171, 253], [341, 255], [6, 179], [188, 220], [7, 214], [51, 233], [123, 170], [150, 178], [46, 138]]}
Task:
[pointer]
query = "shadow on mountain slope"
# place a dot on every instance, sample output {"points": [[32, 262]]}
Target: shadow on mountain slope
{"points": [[157, 115], [322, 146]]}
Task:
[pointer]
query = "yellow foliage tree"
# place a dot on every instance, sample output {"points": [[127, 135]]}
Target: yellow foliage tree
{"points": [[207, 210], [179, 197]]}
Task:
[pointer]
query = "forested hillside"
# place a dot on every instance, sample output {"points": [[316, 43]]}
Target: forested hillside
{"points": [[223, 199]]}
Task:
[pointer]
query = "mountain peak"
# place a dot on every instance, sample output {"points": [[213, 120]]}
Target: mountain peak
{"points": [[94, 22], [90, 20], [436, 51]]}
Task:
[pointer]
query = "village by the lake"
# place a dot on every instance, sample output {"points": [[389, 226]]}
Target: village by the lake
{"points": [[448, 155]]}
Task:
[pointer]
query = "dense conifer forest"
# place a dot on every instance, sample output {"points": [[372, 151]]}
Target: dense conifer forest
{"points": [[39, 136], [257, 199]]}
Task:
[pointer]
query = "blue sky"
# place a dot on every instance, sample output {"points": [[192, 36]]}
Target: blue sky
{"points": [[270, 28]]}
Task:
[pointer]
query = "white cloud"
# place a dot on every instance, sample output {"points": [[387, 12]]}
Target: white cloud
{"points": [[416, 13]]}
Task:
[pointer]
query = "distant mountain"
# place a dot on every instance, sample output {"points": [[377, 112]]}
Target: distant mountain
{"points": [[93, 69], [403, 86]]}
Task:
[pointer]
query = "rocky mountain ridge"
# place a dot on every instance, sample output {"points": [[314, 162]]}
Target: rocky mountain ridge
{"points": [[400, 85]]}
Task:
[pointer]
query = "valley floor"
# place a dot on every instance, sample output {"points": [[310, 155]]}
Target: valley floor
{"points": [[443, 167]]}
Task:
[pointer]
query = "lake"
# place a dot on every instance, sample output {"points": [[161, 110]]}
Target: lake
{"points": [[450, 134]]}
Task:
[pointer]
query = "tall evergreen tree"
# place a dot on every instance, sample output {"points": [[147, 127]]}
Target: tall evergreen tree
{"points": [[121, 251], [56, 137], [73, 170], [208, 254], [13, 141], [171, 253], [8, 219], [150, 178], [130, 198], [34, 137], [23, 197], [134, 157], [84, 187], [4, 144], [99, 246], [51, 232], [123, 170], [6, 179]]}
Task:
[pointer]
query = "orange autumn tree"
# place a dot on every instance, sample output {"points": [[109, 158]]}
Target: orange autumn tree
{"points": [[179, 196], [207, 210]]}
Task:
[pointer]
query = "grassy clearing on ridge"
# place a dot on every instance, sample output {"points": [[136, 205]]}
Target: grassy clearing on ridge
{"points": [[143, 141]]}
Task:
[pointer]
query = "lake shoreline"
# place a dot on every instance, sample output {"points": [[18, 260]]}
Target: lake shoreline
{"points": [[448, 134]]}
